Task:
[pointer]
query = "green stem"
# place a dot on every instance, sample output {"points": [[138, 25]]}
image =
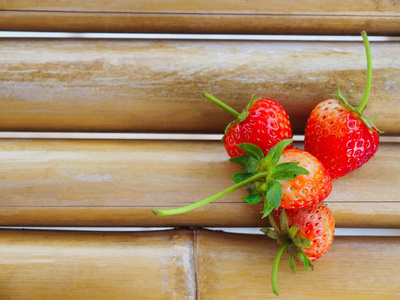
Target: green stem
{"points": [[221, 104], [363, 104], [274, 275], [179, 210]]}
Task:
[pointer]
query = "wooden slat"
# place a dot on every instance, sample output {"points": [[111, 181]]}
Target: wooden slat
{"points": [[187, 264], [233, 266], [155, 86], [67, 265], [116, 183], [227, 16]]}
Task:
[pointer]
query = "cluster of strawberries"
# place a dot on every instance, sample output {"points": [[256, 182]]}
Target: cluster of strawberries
{"points": [[294, 182]]}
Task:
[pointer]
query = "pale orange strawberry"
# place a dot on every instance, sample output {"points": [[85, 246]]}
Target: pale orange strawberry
{"points": [[304, 190]]}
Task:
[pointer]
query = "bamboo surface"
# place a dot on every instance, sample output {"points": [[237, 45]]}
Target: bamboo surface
{"points": [[234, 266], [156, 85], [67, 265], [188, 264], [227, 16], [116, 183]]}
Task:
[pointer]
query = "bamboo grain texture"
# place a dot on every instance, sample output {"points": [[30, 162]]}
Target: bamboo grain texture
{"points": [[187, 264], [156, 85], [235, 266], [380, 17], [116, 183], [88, 265]]}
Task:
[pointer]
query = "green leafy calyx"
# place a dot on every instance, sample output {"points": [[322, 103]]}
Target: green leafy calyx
{"points": [[265, 187], [367, 121], [359, 109], [240, 117], [291, 244], [260, 176]]}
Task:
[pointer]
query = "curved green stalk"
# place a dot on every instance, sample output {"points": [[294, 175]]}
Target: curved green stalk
{"points": [[221, 104], [274, 275], [363, 104], [179, 210]]}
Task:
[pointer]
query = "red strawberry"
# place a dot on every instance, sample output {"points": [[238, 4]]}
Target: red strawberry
{"points": [[305, 235], [289, 178], [304, 190], [339, 135], [316, 224], [263, 123]]}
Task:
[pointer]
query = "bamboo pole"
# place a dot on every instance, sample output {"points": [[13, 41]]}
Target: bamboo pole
{"points": [[256, 16], [156, 85], [187, 264], [116, 183]]}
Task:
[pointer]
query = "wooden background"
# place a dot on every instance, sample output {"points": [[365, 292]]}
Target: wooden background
{"points": [[147, 86], [116, 183], [125, 85], [187, 264], [378, 17], [154, 86]]}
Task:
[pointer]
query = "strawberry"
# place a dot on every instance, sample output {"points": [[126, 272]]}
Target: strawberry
{"points": [[304, 234], [289, 178], [339, 135], [308, 189], [263, 123]]}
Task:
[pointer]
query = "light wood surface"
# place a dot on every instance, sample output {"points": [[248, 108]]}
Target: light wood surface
{"points": [[227, 16], [116, 183], [187, 264], [234, 266], [84, 265], [155, 86]]}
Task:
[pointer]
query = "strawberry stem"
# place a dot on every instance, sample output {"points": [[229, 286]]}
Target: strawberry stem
{"points": [[363, 104], [179, 210], [274, 275], [221, 104]]}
